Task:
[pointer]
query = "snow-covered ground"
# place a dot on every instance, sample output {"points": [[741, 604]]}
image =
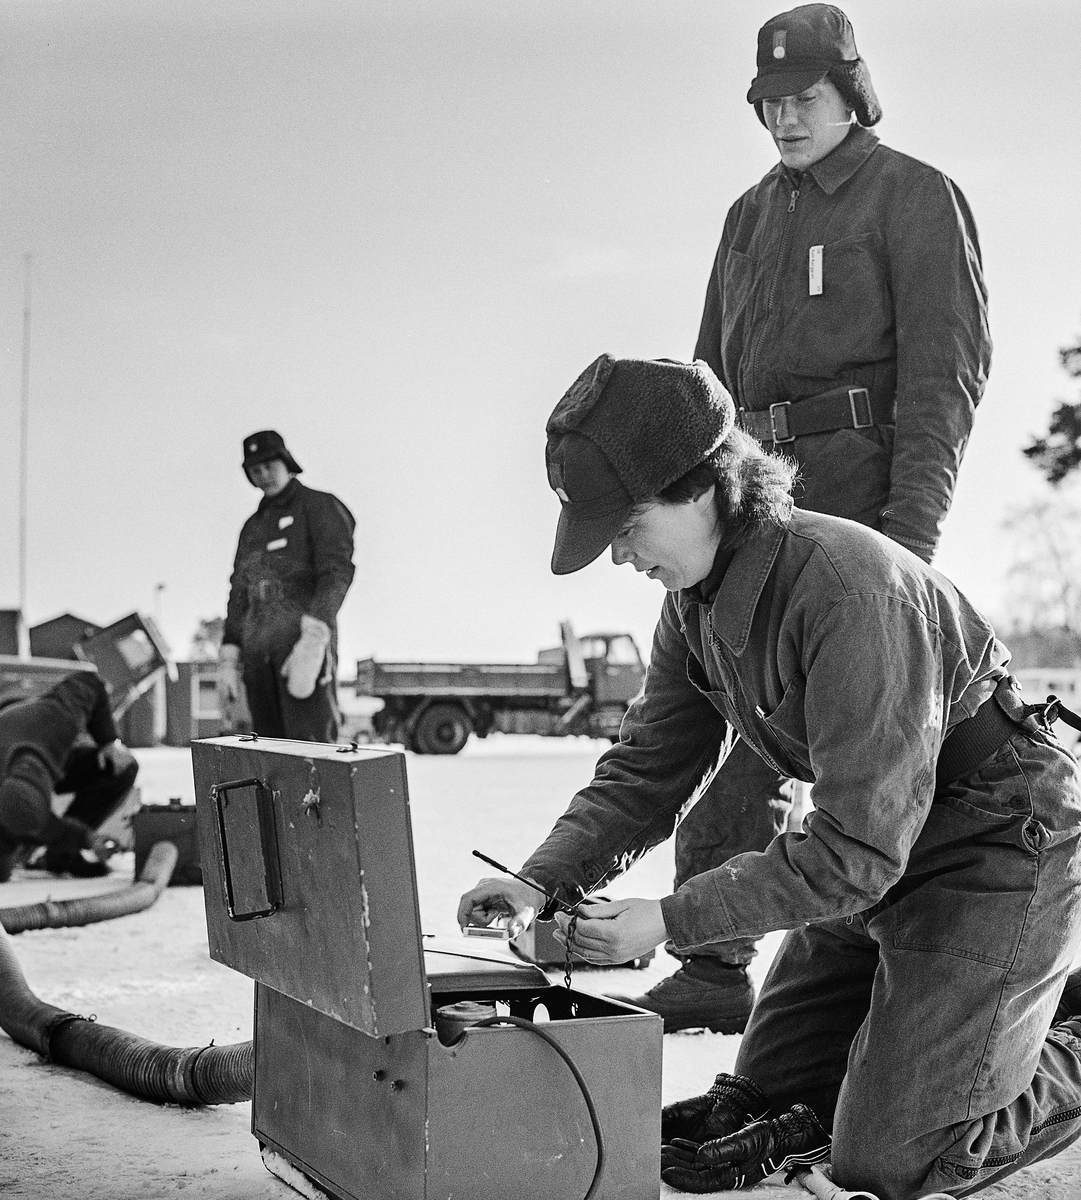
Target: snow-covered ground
{"points": [[68, 1136]]}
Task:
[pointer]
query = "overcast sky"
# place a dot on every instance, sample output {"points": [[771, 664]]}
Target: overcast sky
{"points": [[397, 231]]}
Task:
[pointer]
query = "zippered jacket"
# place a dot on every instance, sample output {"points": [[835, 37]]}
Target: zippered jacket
{"points": [[294, 556], [862, 271], [841, 659]]}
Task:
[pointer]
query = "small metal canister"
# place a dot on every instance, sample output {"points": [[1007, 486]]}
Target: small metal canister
{"points": [[451, 1020]]}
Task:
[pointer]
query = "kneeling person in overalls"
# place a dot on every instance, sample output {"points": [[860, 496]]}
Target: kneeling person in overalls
{"points": [[932, 899], [62, 741]]}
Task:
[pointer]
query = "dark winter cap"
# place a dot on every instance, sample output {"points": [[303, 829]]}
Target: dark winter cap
{"points": [[797, 48], [624, 431], [265, 445]]}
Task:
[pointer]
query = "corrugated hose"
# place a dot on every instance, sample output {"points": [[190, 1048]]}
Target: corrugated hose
{"points": [[60, 914], [167, 1074]]}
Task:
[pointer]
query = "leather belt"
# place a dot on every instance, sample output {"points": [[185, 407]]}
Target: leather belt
{"points": [[841, 408], [973, 740], [265, 591]]}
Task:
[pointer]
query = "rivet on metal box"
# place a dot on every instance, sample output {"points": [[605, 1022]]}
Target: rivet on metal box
{"points": [[371, 1077]]}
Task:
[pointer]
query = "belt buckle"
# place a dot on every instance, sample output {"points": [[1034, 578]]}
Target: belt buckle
{"points": [[775, 412], [856, 395]]}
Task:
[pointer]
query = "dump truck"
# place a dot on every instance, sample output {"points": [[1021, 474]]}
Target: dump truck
{"points": [[580, 687]]}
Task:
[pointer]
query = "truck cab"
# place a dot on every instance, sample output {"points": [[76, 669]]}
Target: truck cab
{"points": [[582, 687], [612, 663]]}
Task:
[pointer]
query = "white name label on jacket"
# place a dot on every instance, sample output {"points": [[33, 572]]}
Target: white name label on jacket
{"points": [[284, 522], [814, 271], [277, 544]]}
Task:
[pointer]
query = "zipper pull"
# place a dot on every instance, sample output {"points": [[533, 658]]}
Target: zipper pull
{"points": [[792, 202]]}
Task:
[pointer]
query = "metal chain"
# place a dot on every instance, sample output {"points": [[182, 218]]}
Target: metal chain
{"points": [[567, 967]]}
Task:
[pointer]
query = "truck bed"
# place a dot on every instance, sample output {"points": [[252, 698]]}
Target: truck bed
{"points": [[460, 679]]}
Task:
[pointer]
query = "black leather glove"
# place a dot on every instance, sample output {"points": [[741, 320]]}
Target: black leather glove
{"points": [[731, 1103], [744, 1158]]}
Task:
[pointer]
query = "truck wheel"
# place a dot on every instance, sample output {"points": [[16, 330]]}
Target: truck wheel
{"points": [[442, 729]]}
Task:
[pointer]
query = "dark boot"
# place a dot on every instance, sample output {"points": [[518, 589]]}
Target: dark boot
{"points": [[9, 855], [717, 996], [68, 862]]}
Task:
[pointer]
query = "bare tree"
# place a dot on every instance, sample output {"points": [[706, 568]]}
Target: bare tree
{"points": [[1044, 580], [206, 641], [1059, 452]]}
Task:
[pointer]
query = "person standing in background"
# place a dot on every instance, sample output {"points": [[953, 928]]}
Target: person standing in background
{"points": [[846, 314], [293, 568]]}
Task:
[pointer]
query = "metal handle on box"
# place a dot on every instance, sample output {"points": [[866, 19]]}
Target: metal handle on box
{"points": [[219, 793]]}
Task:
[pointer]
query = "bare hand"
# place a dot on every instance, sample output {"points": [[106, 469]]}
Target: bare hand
{"points": [[495, 898], [115, 758], [609, 933], [102, 848]]}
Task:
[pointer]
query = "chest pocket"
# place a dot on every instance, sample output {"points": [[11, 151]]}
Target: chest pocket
{"points": [[787, 724], [717, 696], [852, 320]]}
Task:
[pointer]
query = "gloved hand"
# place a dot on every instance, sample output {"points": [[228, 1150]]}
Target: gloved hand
{"points": [[228, 677], [731, 1103], [301, 669], [744, 1158]]}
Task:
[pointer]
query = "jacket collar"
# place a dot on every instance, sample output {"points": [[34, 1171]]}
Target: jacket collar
{"points": [[841, 163], [737, 597], [283, 497]]}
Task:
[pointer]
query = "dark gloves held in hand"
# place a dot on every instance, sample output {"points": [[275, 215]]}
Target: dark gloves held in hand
{"points": [[746, 1156]]}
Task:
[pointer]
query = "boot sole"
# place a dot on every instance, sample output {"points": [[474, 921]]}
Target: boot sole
{"points": [[716, 1027]]}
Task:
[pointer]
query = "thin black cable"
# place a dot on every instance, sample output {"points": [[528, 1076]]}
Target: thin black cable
{"points": [[522, 1023]]}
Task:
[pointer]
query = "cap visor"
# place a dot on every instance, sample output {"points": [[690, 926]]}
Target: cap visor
{"points": [[579, 542], [784, 83]]}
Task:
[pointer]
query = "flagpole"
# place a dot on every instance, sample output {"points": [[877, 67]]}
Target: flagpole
{"points": [[24, 456]]}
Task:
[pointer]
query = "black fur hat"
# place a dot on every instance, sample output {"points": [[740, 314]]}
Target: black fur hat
{"points": [[263, 446], [796, 49]]}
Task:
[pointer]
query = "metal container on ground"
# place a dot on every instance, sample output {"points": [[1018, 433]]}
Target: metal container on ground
{"points": [[173, 822], [310, 889]]}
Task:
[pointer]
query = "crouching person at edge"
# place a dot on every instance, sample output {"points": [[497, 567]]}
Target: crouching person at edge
{"points": [[908, 1025]]}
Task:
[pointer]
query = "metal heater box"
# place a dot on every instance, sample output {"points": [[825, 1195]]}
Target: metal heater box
{"points": [[311, 890], [173, 822]]}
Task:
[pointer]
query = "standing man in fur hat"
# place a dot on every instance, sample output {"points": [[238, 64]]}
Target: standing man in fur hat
{"points": [[293, 568], [846, 314]]}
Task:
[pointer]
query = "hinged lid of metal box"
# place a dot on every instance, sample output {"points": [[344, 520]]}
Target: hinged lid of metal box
{"points": [[309, 879]]}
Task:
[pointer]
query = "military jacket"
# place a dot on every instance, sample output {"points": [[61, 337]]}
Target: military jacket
{"points": [[842, 659], [864, 271], [295, 555], [50, 724]]}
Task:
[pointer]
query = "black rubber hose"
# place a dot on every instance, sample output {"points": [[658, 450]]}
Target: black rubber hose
{"points": [[583, 1087], [168, 1074], [60, 914]]}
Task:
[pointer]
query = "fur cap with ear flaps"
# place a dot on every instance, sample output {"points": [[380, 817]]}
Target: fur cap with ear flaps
{"points": [[799, 47]]}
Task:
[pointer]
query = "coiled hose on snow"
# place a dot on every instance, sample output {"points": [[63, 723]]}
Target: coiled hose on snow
{"points": [[59, 914], [168, 1074]]}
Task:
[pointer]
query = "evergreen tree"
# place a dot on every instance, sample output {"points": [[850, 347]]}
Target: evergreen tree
{"points": [[1059, 452]]}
